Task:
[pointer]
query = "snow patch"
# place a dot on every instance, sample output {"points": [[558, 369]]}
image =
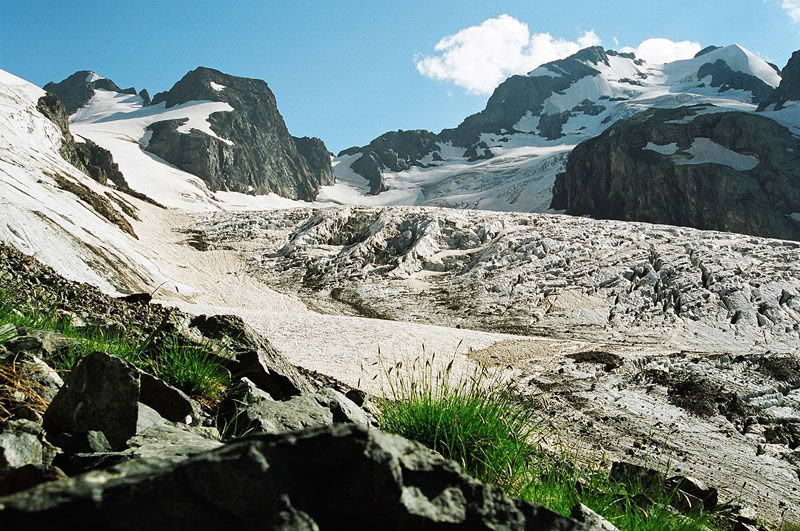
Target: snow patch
{"points": [[666, 149], [528, 123], [93, 76], [705, 150], [217, 86]]}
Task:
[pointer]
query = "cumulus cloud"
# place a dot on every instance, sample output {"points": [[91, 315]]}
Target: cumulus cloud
{"points": [[479, 57], [658, 50], [792, 8]]}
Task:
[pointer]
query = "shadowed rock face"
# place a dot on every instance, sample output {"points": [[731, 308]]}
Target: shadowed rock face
{"points": [[262, 156], [87, 156], [75, 91], [520, 94], [789, 89], [317, 156], [642, 169], [289, 481], [724, 77]]}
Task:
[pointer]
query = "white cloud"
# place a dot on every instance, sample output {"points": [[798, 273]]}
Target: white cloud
{"points": [[658, 50], [479, 57], [792, 8]]}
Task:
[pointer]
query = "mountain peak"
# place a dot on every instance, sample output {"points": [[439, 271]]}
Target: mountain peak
{"points": [[76, 90]]}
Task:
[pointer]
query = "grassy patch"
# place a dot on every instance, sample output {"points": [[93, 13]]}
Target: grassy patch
{"points": [[487, 433], [195, 369], [476, 422]]}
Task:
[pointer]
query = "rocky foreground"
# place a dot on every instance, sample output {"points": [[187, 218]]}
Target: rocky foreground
{"points": [[666, 344], [114, 447]]}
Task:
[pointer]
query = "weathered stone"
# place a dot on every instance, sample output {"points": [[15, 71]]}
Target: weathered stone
{"points": [[28, 476], [171, 403], [101, 394], [256, 359], [585, 515], [21, 444], [84, 442], [46, 381], [708, 496], [313, 479], [263, 414], [39, 343]]}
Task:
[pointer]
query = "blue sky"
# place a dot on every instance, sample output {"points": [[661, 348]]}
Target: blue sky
{"points": [[345, 70]]}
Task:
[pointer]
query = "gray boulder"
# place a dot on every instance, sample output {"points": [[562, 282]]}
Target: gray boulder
{"points": [[101, 394], [587, 516], [107, 394], [22, 443], [257, 411], [256, 358], [336, 477]]}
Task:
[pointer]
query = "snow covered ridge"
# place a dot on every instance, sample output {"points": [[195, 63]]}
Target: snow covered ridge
{"points": [[41, 218], [581, 96], [210, 135]]}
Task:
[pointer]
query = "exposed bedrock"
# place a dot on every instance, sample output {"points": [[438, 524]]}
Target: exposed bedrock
{"points": [[253, 151], [655, 167]]}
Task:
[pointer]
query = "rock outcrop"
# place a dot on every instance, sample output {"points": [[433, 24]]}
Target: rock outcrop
{"points": [[789, 89], [736, 172], [322, 478], [76, 90], [93, 160], [252, 152]]}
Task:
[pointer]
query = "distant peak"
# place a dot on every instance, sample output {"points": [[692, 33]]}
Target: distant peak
{"points": [[707, 49]]}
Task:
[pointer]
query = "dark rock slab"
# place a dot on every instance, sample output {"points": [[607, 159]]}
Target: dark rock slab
{"points": [[327, 478], [101, 394], [107, 394], [256, 358]]}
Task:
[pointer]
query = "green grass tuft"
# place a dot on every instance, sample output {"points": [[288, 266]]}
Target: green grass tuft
{"points": [[194, 369], [475, 421], [487, 433]]}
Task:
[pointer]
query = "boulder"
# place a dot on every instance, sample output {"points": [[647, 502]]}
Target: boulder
{"points": [[695, 489], [22, 443], [171, 403], [585, 515], [257, 411], [256, 359], [101, 394], [334, 477], [107, 394], [28, 476]]}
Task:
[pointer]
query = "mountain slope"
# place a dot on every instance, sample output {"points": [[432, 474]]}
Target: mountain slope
{"points": [[507, 156], [211, 132], [51, 210]]}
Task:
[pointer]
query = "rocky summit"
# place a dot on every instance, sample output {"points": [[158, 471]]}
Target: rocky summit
{"points": [[251, 151]]}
